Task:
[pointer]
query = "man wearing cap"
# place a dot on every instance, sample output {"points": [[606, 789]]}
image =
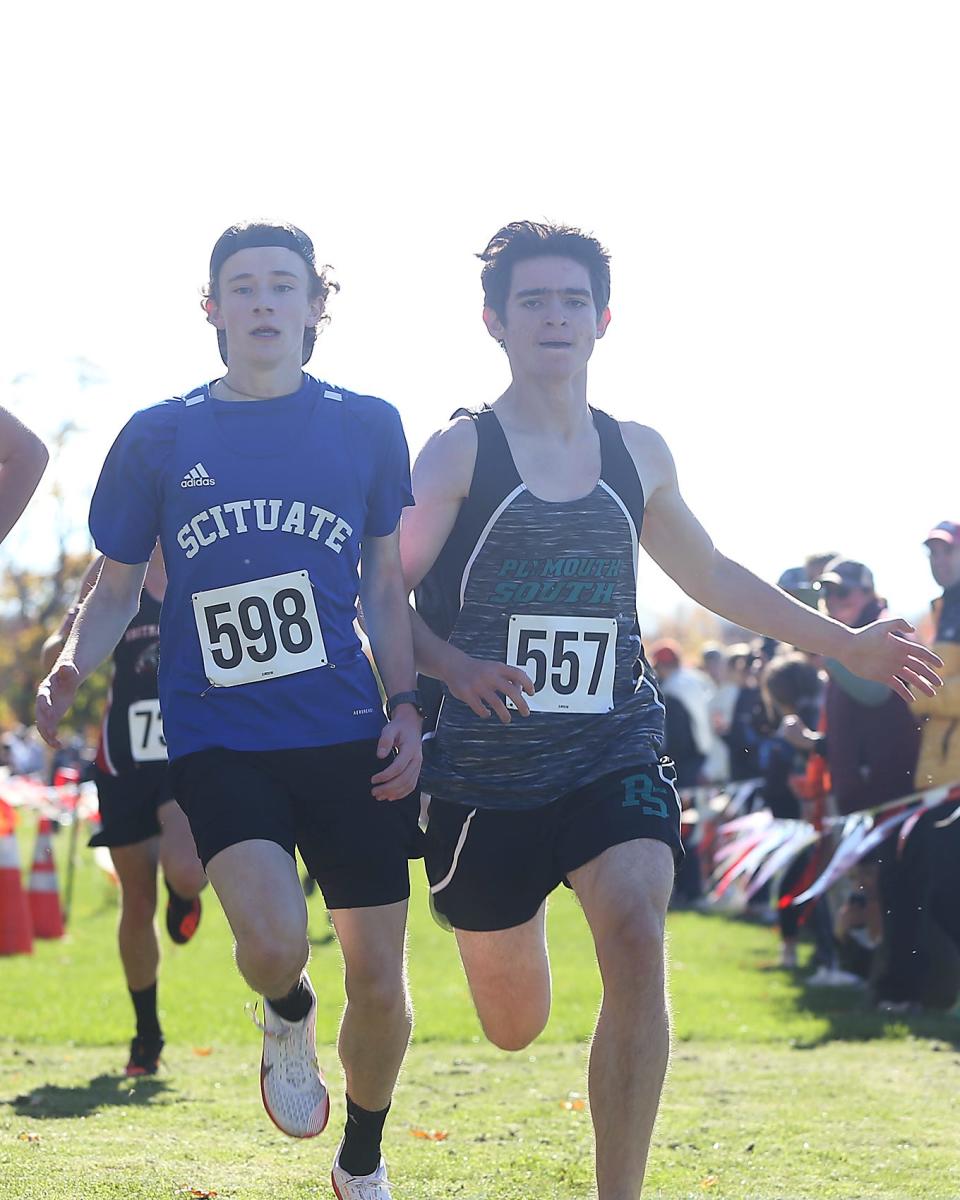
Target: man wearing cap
{"points": [[872, 736], [940, 739]]}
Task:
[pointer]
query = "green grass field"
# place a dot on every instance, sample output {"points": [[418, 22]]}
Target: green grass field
{"points": [[775, 1092]]}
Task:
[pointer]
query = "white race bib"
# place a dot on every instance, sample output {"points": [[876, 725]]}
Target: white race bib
{"points": [[146, 731], [571, 661], [259, 630]]}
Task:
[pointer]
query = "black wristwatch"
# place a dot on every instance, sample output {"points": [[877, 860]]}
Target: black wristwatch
{"points": [[404, 698]]}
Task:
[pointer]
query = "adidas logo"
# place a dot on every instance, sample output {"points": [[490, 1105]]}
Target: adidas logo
{"points": [[197, 477]]}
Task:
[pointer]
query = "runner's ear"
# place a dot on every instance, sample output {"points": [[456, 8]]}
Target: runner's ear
{"points": [[602, 322], [493, 323], [213, 312], [316, 312]]}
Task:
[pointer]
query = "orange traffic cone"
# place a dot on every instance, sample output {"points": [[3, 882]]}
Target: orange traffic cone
{"points": [[43, 893], [16, 933]]}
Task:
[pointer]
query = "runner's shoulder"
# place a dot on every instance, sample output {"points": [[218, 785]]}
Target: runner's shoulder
{"points": [[651, 457], [153, 428], [369, 411], [448, 458], [643, 439]]}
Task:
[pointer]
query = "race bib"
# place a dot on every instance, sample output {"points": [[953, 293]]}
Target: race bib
{"points": [[259, 630], [571, 661], [147, 743]]}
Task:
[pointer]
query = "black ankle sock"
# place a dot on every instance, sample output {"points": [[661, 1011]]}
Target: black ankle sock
{"points": [[295, 1005], [145, 1006], [361, 1139]]}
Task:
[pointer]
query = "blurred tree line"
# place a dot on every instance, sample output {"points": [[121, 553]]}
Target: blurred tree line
{"points": [[32, 605]]}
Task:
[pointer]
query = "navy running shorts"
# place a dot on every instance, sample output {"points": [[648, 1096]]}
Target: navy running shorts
{"points": [[129, 803], [493, 868], [316, 800]]}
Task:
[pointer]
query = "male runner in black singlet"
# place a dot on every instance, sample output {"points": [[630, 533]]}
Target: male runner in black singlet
{"points": [[523, 548], [140, 821]]}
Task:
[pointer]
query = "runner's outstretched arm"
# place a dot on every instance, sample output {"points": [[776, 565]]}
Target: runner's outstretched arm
{"points": [[678, 543], [441, 480], [383, 596], [23, 459], [108, 609], [56, 641]]}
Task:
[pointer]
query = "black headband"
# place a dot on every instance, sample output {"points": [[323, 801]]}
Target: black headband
{"points": [[245, 237]]}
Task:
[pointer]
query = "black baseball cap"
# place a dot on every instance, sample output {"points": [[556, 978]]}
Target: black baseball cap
{"points": [[846, 572]]}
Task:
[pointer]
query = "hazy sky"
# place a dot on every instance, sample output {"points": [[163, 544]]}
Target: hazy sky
{"points": [[779, 186]]}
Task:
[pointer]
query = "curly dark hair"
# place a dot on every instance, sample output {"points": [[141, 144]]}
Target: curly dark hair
{"points": [[531, 239], [246, 234]]}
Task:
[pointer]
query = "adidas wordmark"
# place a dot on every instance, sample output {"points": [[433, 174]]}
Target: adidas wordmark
{"points": [[197, 477]]}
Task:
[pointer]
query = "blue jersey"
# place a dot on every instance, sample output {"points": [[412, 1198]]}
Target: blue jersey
{"points": [[261, 508]]}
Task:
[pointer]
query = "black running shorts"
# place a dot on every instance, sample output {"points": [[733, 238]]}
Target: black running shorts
{"points": [[316, 800], [493, 868], [129, 803]]}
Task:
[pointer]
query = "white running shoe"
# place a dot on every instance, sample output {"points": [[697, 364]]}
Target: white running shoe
{"points": [[360, 1187], [291, 1083]]}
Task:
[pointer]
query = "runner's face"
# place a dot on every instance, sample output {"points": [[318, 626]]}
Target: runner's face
{"points": [[550, 325], [264, 306]]}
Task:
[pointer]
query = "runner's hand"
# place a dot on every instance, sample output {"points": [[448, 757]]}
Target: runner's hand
{"points": [[882, 652], [401, 739], [482, 686], [54, 697]]}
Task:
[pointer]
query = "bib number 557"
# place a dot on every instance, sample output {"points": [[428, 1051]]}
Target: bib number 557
{"points": [[571, 660]]}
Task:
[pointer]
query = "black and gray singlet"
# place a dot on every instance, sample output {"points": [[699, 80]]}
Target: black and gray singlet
{"points": [[131, 735], [551, 587]]}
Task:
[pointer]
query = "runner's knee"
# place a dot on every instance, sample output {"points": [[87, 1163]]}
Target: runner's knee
{"points": [[513, 1029], [138, 901], [630, 944], [186, 879], [376, 987], [266, 955]]}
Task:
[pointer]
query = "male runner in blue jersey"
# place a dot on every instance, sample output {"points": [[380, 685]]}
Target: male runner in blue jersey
{"points": [[267, 488], [523, 547]]}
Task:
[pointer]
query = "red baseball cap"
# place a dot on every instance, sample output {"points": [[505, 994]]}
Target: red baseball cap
{"points": [[946, 531]]}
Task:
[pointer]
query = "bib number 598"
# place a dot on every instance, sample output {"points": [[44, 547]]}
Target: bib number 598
{"points": [[259, 630]]}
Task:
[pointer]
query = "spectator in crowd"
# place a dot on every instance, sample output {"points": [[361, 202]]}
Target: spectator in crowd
{"points": [[872, 737], [940, 740], [748, 721], [721, 698], [688, 732], [799, 581], [920, 961], [792, 687], [25, 752]]}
